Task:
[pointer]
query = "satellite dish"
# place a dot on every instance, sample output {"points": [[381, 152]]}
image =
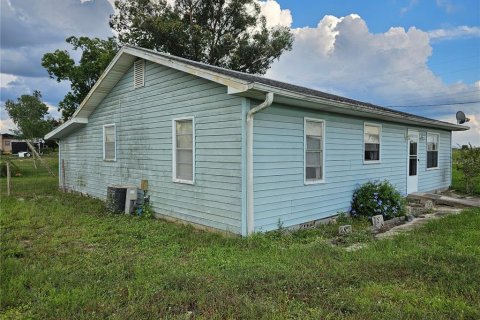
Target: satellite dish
{"points": [[461, 118]]}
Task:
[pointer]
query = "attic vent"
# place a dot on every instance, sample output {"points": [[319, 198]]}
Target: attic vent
{"points": [[139, 74]]}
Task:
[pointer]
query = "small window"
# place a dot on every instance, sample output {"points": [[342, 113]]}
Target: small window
{"points": [[184, 150], [432, 150], [7, 143], [314, 133], [372, 135], [109, 143], [139, 74]]}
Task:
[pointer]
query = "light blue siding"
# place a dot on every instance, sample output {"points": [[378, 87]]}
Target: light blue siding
{"points": [[143, 119], [279, 190]]}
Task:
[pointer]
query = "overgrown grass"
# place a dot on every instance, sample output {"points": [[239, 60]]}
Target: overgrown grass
{"points": [[458, 183], [63, 257]]}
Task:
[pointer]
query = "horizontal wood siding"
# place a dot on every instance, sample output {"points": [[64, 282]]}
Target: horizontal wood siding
{"points": [[143, 119], [279, 190], [441, 177]]}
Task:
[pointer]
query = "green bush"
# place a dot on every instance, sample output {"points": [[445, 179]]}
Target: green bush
{"points": [[374, 198]]}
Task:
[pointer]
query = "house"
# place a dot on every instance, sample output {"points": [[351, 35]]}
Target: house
{"points": [[6, 143], [237, 152]]}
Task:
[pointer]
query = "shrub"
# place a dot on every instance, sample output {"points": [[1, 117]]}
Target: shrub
{"points": [[374, 198], [468, 163]]}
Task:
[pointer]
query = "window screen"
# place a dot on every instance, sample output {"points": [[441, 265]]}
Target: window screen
{"points": [[313, 150], [372, 142], [109, 143], [184, 149], [432, 150]]}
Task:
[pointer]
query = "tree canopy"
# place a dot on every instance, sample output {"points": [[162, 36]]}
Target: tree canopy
{"points": [[96, 55], [29, 115], [226, 33]]}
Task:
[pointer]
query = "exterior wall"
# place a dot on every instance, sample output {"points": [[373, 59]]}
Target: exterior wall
{"points": [[280, 194], [143, 119], [441, 177]]}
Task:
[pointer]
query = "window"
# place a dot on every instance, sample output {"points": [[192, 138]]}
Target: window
{"points": [[314, 133], [139, 74], [432, 150], [372, 133], [7, 143], [183, 150], [109, 143]]}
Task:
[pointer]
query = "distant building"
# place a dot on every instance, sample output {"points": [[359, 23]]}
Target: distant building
{"points": [[6, 142]]}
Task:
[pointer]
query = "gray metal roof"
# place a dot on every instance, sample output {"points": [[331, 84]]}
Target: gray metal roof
{"points": [[290, 87]]}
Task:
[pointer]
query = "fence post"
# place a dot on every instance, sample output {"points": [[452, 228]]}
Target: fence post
{"points": [[64, 187], [9, 178]]}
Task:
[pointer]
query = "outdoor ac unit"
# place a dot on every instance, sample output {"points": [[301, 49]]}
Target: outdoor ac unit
{"points": [[131, 199]]}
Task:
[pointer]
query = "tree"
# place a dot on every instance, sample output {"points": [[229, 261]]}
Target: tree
{"points": [[468, 163], [29, 115], [96, 55], [226, 33]]}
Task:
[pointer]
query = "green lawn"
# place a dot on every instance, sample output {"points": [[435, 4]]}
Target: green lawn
{"points": [[62, 257]]}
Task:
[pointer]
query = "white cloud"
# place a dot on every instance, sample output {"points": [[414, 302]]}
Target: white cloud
{"points": [[447, 5], [454, 33], [340, 55], [6, 79], [471, 136], [275, 15]]}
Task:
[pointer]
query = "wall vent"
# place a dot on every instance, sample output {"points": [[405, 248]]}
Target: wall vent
{"points": [[139, 74]]}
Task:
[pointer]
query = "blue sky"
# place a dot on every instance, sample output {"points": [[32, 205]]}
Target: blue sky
{"points": [[390, 52]]}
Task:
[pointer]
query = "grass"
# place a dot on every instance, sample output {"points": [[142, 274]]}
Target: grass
{"points": [[458, 182], [63, 257]]}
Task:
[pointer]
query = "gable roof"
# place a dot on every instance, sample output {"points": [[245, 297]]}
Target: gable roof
{"points": [[238, 83]]}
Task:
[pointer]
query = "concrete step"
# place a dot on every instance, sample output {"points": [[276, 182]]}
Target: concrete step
{"points": [[438, 199]]}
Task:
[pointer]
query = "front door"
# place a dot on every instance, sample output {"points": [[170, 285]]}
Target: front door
{"points": [[412, 161]]}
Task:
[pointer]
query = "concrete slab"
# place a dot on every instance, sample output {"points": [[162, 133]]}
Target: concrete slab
{"points": [[439, 199]]}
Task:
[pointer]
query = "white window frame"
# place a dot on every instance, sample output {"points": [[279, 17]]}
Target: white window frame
{"points": [[174, 150], [379, 126], [438, 151], [103, 142], [305, 181]]}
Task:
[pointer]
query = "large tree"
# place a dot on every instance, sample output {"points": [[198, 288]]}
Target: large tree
{"points": [[29, 114], [226, 33], [96, 55]]}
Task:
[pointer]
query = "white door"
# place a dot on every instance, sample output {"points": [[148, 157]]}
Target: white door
{"points": [[412, 161]]}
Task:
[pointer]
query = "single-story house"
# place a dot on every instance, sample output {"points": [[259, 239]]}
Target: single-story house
{"points": [[238, 152]]}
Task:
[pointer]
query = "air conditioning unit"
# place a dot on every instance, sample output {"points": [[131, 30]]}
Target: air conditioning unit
{"points": [[122, 199], [131, 199]]}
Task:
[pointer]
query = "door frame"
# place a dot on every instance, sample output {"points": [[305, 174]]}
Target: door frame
{"points": [[415, 181]]}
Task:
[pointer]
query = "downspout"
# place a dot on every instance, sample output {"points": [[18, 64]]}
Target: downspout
{"points": [[265, 104]]}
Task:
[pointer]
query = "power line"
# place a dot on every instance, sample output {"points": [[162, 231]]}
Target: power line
{"points": [[436, 105]]}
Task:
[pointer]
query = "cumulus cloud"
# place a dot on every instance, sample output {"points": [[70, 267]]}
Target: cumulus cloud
{"points": [[275, 15]]}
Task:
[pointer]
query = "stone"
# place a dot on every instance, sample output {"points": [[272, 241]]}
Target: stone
{"points": [[377, 221], [346, 229], [409, 218], [428, 205]]}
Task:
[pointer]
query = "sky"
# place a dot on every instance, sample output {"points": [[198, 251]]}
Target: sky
{"points": [[416, 56]]}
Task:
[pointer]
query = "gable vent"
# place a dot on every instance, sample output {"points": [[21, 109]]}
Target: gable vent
{"points": [[139, 74]]}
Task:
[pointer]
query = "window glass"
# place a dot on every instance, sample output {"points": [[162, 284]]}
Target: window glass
{"points": [[372, 142], [313, 150], [432, 150], [109, 142], [184, 150]]}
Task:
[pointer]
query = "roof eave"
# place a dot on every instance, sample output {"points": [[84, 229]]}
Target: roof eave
{"points": [[350, 108], [66, 128]]}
